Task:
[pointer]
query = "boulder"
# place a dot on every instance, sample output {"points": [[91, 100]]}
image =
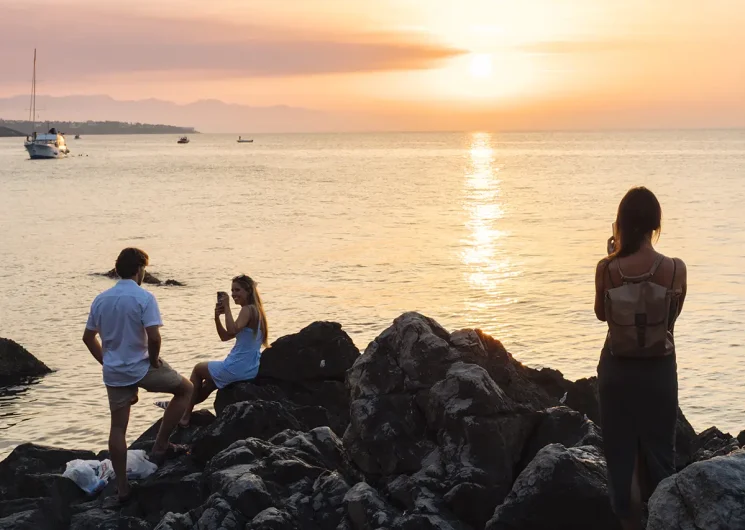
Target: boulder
{"points": [[306, 369], [561, 489], [258, 419], [425, 398], [706, 495], [320, 351], [17, 363], [741, 438], [564, 426], [713, 442], [20, 471]]}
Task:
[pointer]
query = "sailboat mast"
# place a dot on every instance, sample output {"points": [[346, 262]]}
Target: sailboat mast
{"points": [[33, 96]]}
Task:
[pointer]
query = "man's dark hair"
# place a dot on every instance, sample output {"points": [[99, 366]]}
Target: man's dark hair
{"points": [[129, 261]]}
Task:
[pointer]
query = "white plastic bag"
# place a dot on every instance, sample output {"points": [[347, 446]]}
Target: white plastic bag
{"points": [[91, 475], [84, 473], [138, 466]]}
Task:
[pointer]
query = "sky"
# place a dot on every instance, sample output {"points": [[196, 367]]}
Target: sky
{"points": [[397, 64]]}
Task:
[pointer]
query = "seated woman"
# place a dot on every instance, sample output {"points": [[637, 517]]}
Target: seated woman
{"points": [[250, 332]]}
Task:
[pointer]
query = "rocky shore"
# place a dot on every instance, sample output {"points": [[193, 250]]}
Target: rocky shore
{"points": [[425, 430]]}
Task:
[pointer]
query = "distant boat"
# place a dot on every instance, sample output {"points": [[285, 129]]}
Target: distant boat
{"points": [[44, 145], [242, 141], [183, 140], [77, 137]]}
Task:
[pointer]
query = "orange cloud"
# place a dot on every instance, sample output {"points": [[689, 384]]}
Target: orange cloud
{"points": [[79, 43]]}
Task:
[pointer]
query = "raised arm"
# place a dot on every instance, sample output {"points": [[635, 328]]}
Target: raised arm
{"points": [[221, 331], [245, 317], [681, 281], [600, 274]]}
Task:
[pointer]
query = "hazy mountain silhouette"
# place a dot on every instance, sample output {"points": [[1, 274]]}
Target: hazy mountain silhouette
{"points": [[204, 115]]}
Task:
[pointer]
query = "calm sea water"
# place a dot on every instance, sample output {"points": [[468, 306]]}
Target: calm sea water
{"points": [[496, 231]]}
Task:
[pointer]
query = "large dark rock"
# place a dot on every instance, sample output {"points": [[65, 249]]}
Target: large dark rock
{"points": [[17, 363], [713, 442], [706, 495], [421, 394], [561, 489], [28, 470], [258, 419], [148, 279], [303, 370], [320, 351]]}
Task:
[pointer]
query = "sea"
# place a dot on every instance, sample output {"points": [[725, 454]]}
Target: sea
{"points": [[497, 231]]}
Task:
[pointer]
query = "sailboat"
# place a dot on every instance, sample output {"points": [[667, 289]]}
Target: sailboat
{"points": [[44, 145]]}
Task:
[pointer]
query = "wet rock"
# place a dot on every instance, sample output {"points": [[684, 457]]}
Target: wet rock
{"points": [[706, 495], [28, 520], [561, 489], [16, 363], [741, 438], [215, 514], [149, 278]]}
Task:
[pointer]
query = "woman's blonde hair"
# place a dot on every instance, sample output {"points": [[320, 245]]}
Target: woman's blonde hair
{"points": [[255, 300]]}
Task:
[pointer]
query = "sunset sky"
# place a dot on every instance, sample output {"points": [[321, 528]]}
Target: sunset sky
{"points": [[413, 64]]}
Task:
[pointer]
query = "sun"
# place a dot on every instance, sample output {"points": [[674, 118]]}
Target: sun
{"points": [[481, 66]]}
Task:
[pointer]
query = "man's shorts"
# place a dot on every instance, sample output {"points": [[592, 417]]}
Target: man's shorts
{"points": [[162, 379]]}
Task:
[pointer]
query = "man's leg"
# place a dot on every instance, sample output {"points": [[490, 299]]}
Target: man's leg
{"points": [[173, 413], [118, 447]]}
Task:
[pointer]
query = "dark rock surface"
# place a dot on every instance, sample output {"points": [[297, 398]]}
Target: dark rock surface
{"points": [[16, 363], [149, 278], [304, 371], [706, 495], [426, 430]]}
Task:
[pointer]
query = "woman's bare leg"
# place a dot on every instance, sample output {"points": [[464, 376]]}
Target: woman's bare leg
{"points": [[203, 387], [634, 521]]}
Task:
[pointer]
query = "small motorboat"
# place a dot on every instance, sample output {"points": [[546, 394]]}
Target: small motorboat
{"points": [[243, 141], [183, 140], [77, 137]]}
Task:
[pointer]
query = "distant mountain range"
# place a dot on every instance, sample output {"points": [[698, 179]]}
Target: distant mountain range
{"points": [[6, 132], [91, 127], [204, 115]]}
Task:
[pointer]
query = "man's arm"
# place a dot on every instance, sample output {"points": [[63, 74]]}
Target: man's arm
{"points": [[94, 346], [153, 345]]}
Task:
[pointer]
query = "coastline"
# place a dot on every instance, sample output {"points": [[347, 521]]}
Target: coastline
{"points": [[426, 427]]}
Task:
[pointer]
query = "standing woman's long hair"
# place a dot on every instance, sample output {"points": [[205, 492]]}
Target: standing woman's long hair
{"points": [[639, 214], [254, 299]]}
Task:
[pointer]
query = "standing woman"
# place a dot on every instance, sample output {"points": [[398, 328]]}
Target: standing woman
{"points": [[640, 293], [250, 331]]}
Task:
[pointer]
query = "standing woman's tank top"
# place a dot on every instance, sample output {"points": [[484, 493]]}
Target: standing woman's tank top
{"points": [[243, 360]]}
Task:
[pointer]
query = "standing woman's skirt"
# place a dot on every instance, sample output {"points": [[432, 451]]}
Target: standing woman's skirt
{"points": [[638, 412]]}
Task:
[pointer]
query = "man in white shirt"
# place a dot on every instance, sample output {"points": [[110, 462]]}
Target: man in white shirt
{"points": [[128, 319]]}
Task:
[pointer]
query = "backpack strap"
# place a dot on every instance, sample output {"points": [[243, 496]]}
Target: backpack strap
{"points": [[675, 269], [642, 277]]}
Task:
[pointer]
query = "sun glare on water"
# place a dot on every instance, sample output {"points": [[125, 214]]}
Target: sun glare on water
{"points": [[481, 66]]}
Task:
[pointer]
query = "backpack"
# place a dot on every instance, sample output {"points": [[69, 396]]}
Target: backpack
{"points": [[638, 315]]}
